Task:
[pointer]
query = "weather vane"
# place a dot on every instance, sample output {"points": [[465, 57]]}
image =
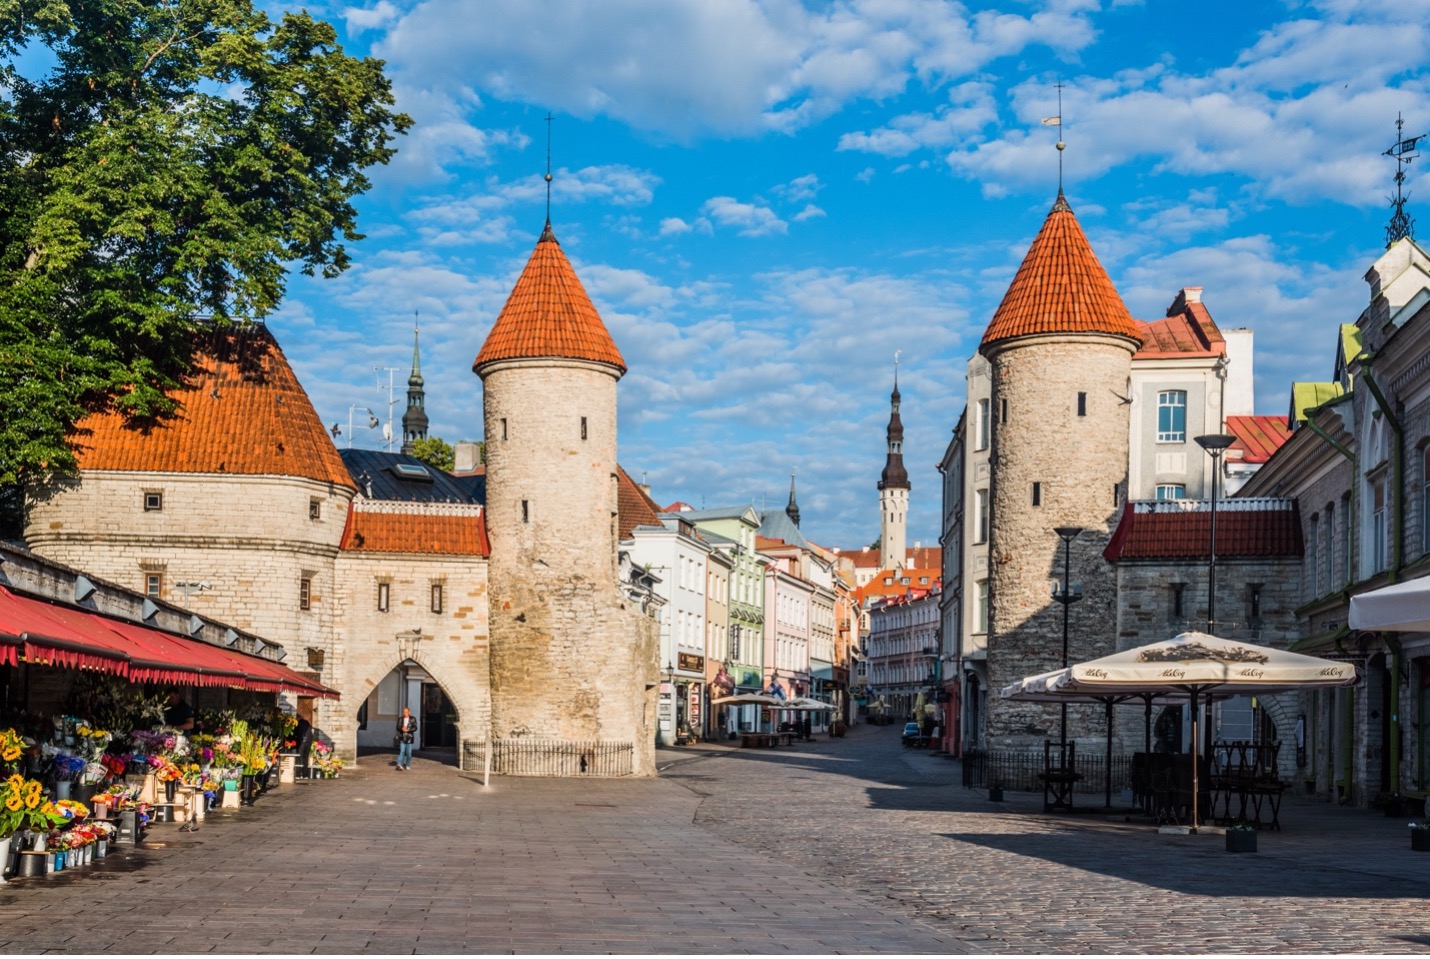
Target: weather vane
{"points": [[1057, 121], [1401, 225], [549, 118]]}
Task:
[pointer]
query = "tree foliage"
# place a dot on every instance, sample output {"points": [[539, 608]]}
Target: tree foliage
{"points": [[163, 165], [435, 452]]}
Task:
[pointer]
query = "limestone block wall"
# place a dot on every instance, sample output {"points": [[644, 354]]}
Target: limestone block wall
{"points": [[1057, 459], [252, 539], [569, 661], [368, 643]]}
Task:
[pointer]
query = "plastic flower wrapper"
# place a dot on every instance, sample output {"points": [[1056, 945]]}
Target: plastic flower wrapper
{"points": [[114, 766], [72, 809], [68, 765]]}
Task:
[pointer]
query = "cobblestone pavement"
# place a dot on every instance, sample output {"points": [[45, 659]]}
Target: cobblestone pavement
{"points": [[850, 846]]}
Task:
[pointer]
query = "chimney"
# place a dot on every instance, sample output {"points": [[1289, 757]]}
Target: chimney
{"points": [[467, 456]]}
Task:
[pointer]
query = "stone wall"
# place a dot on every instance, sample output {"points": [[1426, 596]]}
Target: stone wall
{"points": [[1079, 466], [569, 661]]}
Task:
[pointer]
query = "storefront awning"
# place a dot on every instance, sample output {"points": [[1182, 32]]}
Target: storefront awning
{"points": [[53, 635]]}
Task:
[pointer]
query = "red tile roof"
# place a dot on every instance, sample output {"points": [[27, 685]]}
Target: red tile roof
{"points": [[1188, 330], [1060, 288], [549, 315], [241, 410], [914, 556], [1257, 437], [633, 506], [1181, 529], [419, 531], [876, 589]]}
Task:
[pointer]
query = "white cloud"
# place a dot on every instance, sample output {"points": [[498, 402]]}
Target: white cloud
{"points": [[749, 219], [673, 226], [809, 212], [359, 19]]}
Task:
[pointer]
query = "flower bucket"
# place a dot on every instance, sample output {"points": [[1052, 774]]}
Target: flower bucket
{"points": [[55, 861], [64, 789], [4, 856], [101, 848]]}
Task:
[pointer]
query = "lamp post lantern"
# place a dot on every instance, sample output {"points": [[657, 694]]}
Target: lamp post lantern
{"points": [[1216, 444], [1066, 597]]}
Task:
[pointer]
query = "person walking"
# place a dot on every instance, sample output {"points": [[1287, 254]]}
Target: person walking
{"points": [[406, 735]]}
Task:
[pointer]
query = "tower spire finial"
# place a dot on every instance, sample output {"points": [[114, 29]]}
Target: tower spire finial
{"points": [[792, 510], [416, 359], [549, 118], [1057, 121], [1401, 223]]}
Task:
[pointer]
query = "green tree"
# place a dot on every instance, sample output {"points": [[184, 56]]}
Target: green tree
{"points": [[163, 165], [435, 452]]}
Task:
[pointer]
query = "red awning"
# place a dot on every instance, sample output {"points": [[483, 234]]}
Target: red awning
{"points": [[54, 635]]}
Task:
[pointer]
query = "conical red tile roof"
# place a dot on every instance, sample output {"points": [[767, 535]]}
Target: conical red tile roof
{"points": [[1060, 288], [241, 410], [549, 314]]}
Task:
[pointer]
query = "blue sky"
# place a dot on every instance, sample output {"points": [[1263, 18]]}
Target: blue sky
{"points": [[766, 199]]}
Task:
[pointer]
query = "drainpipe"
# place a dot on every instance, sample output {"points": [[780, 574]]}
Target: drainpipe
{"points": [[1397, 557]]}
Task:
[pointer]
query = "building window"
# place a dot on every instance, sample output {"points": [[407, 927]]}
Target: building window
{"points": [[1253, 603], [305, 593], [1425, 502], [1037, 494], [315, 508], [980, 595], [525, 511], [1179, 592], [153, 585], [1082, 404], [1377, 527], [1346, 538], [1171, 491], [984, 425], [735, 641], [503, 427], [436, 597], [980, 516], [1172, 416], [153, 501], [1313, 557], [1002, 411], [583, 427], [384, 596], [1330, 546]]}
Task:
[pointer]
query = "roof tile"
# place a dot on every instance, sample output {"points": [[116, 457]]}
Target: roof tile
{"points": [[416, 533], [634, 507], [1257, 437], [241, 410], [1181, 529], [549, 315], [1060, 288]]}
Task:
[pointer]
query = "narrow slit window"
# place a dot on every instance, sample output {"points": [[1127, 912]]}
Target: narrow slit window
{"points": [[503, 427], [305, 593], [384, 594], [1037, 494], [1082, 404], [525, 511], [583, 427], [436, 597], [1002, 411]]}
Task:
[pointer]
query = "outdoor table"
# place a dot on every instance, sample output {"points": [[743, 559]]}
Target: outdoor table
{"points": [[1247, 777]]}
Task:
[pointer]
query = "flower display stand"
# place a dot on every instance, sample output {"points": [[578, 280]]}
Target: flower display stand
{"points": [[1420, 840], [287, 768], [230, 795], [149, 792]]}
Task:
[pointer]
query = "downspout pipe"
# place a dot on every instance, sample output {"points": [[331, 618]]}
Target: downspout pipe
{"points": [[1397, 557]]}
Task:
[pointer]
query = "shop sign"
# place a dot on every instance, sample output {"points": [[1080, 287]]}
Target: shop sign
{"points": [[691, 663]]}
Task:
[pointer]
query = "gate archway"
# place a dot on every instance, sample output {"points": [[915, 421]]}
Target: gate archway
{"points": [[412, 685]]}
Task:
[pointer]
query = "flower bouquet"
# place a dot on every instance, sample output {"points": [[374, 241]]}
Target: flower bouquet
{"points": [[23, 806], [329, 765], [12, 746], [67, 765]]}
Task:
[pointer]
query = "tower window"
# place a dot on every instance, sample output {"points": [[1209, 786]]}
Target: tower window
{"points": [[1037, 494], [1253, 603], [153, 501], [525, 511], [436, 597], [1002, 411], [1178, 590], [583, 427], [153, 585], [305, 593], [984, 424], [1082, 404], [1116, 494], [315, 508], [384, 594], [503, 427]]}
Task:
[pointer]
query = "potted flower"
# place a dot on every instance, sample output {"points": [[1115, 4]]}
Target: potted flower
{"points": [[1241, 837], [1392, 804], [1420, 835]]}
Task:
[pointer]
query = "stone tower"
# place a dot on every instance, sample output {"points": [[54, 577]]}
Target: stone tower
{"points": [[1060, 348], [414, 420], [894, 491], [569, 663]]}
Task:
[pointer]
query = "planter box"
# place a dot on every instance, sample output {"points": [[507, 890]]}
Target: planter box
{"points": [[1241, 840]]}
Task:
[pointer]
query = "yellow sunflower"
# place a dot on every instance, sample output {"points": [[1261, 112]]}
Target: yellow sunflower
{"points": [[16, 782], [14, 802]]}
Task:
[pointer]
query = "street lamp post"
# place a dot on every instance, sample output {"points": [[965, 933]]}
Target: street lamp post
{"points": [[1216, 444], [1066, 597]]}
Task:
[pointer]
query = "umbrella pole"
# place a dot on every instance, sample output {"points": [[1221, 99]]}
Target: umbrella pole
{"points": [[1107, 706], [1196, 786], [1147, 727]]}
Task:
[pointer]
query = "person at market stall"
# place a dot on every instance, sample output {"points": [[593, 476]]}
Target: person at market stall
{"points": [[406, 735], [179, 714]]}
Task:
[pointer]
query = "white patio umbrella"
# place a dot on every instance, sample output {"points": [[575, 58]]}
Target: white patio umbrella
{"points": [[1196, 664], [750, 699], [805, 704], [1403, 607]]}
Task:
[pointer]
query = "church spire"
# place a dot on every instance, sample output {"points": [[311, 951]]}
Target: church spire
{"points": [[894, 487], [792, 510], [414, 420]]}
